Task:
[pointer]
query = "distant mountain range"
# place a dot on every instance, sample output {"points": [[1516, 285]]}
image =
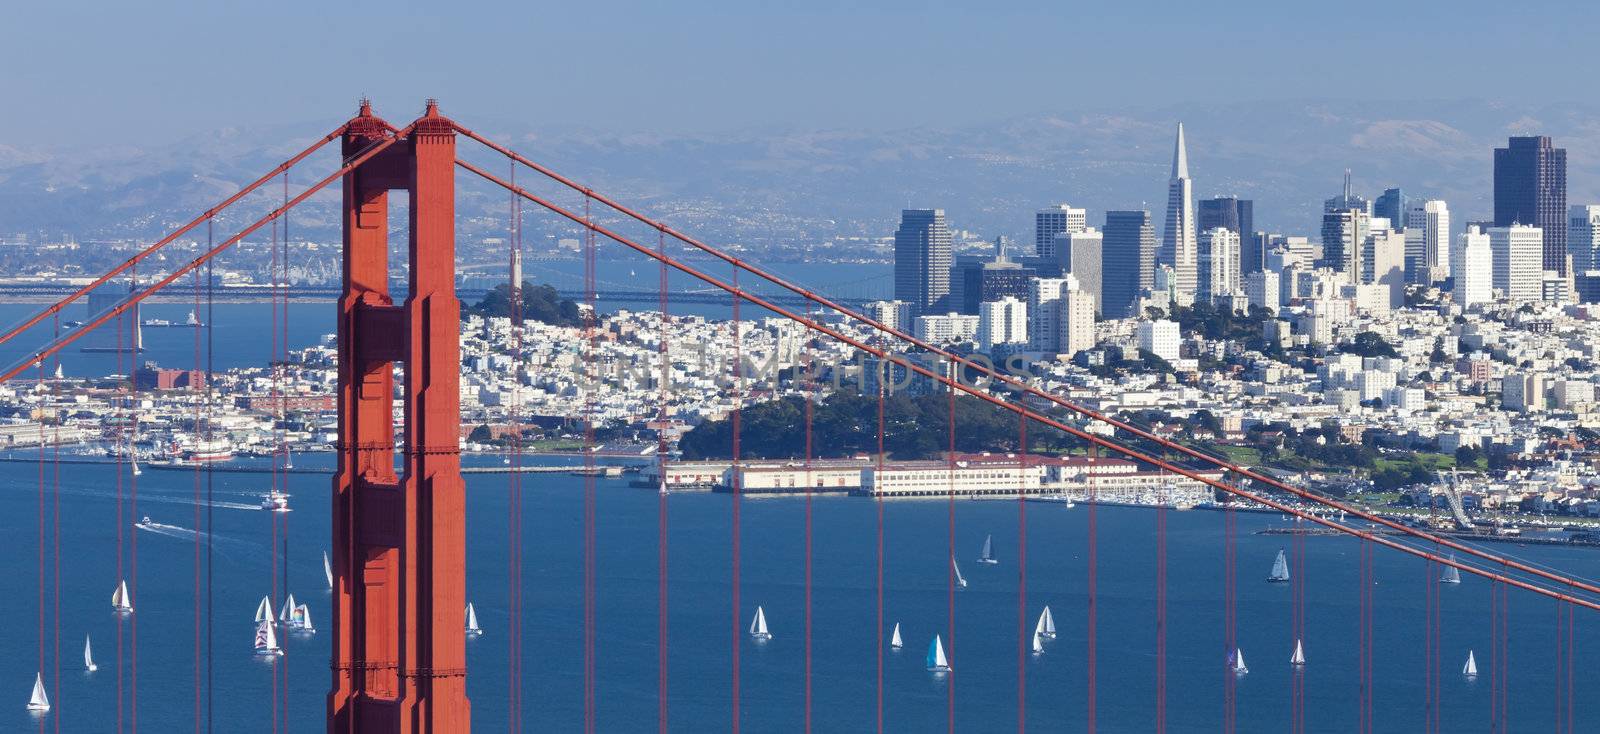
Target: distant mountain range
{"points": [[763, 188]]}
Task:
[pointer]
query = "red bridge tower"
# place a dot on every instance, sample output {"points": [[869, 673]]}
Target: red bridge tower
{"points": [[399, 561]]}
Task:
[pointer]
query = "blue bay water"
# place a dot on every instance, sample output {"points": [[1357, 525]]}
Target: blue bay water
{"points": [[703, 623]]}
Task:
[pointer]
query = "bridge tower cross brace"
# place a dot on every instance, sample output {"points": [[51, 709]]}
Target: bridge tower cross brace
{"points": [[399, 556]]}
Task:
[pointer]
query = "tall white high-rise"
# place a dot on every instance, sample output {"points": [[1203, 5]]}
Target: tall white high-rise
{"points": [[1583, 237], [1044, 310], [1218, 264], [1076, 321], [1002, 322], [1179, 245], [1051, 221], [1517, 254], [1383, 260], [1427, 229], [1080, 255]]}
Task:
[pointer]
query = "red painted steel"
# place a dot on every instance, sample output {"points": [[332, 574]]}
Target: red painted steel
{"points": [[399, 541]]}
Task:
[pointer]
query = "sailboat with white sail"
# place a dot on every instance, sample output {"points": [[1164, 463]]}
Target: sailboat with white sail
{"points": [[1045, 628], [894, 639], [961, 581], [1298, 658], [1038, 644], [1280, 569], [38, 702], [302, 615], [286, 613], [327, 570], [937, 662], [266, 640], [1470, 670], [758, 625], [1236, 662], [121, 600], [473, 630], [264, 610], [987, 556], [136, 470], [1451, 574], [88, 656]]}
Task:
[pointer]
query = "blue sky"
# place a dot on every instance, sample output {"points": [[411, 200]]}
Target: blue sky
{"points": [[109, 71]]}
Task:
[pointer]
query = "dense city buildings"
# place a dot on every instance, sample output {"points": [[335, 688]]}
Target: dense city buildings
{"points": [[1530, 188], [1179, 244], [1127, 267], [922, 260]]}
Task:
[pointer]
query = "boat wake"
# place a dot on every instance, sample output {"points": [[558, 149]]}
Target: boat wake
{"points": [[160, 499], [183, 533]]}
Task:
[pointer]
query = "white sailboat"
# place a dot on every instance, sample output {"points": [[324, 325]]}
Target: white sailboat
{"points": [[1236, 662], [1046, 626], [1038, 644], [1280, 569], [1451, 574], [758, 625], [266, 640], [1298, 659], [38, 702], [88, 656], [121, 600], [894, 639], [960, 580], [988, 551], [286, 612], [1470, 670], [136, 470], [472, 621], [937, 663], [264, 610], [663, 489], [288, 458], [327, 569], [303, 619]]}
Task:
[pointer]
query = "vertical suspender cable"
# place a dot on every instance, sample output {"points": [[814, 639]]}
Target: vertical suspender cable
{"points": [[210, 327], [1022, 573], [1092, 620], [950, 573], [882, 376], [737, 490], [808, 387], [1161, 601], [665, 386], [591, 341]]}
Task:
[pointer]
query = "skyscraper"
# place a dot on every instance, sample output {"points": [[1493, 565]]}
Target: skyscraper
{"points": [[1472, 266], [1219, 264], [1393, 206], [1179, 247], [922, 261], [1051, 221], [1516, 254], [1343, 231], [1237, 216], [1530, 187], [1081, 256], [1583, 237], [1427, 229], [1348, 200], [1128, 260]]}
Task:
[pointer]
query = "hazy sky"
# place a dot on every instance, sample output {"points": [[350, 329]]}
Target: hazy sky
{"points": [[107, 71]]}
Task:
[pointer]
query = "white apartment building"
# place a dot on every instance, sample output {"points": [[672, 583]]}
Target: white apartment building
{"points": [[1076, 321], [1518, 261], [1002, 322], [1219, 264], [947, 328], [1160, 338], [893, 314], [1471, 262], [1263, 290], [1044, 297]]}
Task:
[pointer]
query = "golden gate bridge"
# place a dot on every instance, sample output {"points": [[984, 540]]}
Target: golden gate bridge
{"points": [[399, 537]]}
